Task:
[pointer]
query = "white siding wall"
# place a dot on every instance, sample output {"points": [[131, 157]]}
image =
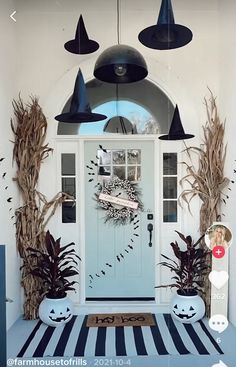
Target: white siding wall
{"points": [[46, 69], [8, 91]]}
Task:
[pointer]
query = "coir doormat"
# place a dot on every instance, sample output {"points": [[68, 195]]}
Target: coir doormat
{"points": [[120, 319]]}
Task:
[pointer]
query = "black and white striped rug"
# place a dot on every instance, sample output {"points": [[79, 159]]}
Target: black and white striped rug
{"points": [[167, 337]]}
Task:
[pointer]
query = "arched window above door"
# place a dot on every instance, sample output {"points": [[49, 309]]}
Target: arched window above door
{"points": [[143, 104]]}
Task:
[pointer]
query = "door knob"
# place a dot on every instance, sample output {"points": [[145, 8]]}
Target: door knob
{"points": [[150, 229]]}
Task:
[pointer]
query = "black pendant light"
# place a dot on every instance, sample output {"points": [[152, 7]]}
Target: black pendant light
{"points": [[165, 35], [80, 110], [120, 63], [176, 131], [81, 44]]}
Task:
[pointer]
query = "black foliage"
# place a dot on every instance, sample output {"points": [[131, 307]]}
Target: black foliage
{"points": [[189, 267], [54, 266]]}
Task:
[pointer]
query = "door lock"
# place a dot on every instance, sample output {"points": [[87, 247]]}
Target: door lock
{"points": [[150, 229]]}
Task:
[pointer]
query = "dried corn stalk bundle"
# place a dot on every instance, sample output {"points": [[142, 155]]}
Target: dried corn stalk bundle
{"points": [[207, 180], [30, 128]]}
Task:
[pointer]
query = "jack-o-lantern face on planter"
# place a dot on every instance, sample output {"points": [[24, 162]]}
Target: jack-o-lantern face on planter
{"points": [[63, 315], [187, 308], [56, 312], [184, 314]]}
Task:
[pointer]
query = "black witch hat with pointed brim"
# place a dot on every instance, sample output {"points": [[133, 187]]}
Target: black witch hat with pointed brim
{"points": [[80, 110], [166, 34], [81, 44], [176, 131]]}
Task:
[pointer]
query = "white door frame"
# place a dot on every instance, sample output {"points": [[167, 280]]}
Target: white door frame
{"points": [[83, 305]]}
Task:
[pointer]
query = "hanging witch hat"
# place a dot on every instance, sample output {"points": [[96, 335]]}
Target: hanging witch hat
{"points": [[80, 110], [176, 131], [81, 44], [165, 34]]}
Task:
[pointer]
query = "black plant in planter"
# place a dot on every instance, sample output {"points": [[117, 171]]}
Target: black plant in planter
{"points": [[189, 268], [54, 266]]}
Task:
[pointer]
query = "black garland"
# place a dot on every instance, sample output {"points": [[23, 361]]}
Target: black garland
{"points": [[121, 215], [9, 199]]}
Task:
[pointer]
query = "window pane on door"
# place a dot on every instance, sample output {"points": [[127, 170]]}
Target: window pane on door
{"points": [[118, 156], [104, 171], [68, 164], [134, 156], [169, 211], [68, 185], [169, 187], [134, 173], [104, 158], [122, 163], [68, 212], [169, 164], [119, 171]]}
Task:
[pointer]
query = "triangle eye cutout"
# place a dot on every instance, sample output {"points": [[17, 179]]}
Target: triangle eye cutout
{"points": [[52, 311], [67, 310], [176, 307], [191, 308]]}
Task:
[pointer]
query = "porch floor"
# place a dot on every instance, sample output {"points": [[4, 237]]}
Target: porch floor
{"points": [[21, 329]]}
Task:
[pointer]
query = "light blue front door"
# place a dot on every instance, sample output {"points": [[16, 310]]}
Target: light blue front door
{"points": [[119, 259]]}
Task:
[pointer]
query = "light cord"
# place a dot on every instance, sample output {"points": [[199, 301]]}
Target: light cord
{"points": [[118, 21]]}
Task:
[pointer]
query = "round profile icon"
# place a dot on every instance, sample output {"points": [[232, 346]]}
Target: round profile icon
{"points": [[218, 235]]}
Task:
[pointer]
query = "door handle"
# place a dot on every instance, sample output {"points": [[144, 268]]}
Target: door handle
{"points": [[150, 229], [9, 300]]}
